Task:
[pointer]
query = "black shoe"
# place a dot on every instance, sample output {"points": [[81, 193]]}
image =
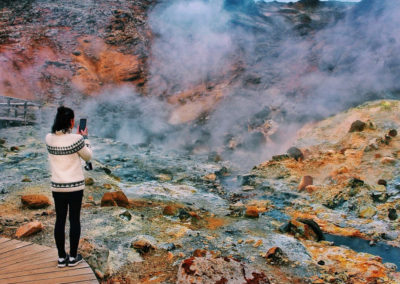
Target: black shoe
{"points": [[72, 261], [63, 262]]}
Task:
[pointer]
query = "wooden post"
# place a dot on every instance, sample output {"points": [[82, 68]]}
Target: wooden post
{"points": [[9, 107], [25, 110]]}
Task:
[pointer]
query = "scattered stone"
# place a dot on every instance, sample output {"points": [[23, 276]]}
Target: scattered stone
{"points": [[305, 181], [142, 245], [199, 253], [223, 172], [357, 126], [249, 180], [76, 53], [295, 153], [35, 201], [355, 182], [388, 161], [392, 133], [305, 228], [14, 149], [314, 226], [367, 212], [183, 214], [89, 181], [220, 270], [168, 246], [278, 158], [170, 210], [107, 186], [106, 170], [99, 273], [321, 262], [29, 229], [392, 214], [126, 215], [164, 177], [390, 235], [382, 182], [311, 188], [210, 177], [117, 198], [26, 179], [247, 188], [275, 255], [2, 141], [390, 266], [251, 212]]}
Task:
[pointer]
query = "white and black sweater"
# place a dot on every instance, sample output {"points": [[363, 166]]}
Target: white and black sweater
{"points": [[65, 153]]}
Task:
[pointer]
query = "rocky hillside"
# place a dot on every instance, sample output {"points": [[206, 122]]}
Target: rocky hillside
{"points": [[156, 217]]}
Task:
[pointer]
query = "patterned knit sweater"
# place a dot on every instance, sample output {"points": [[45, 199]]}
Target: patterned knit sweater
{"points": [[65, 153]]}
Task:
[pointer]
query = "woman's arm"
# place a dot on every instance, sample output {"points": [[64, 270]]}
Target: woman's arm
{"points": [[86, 152]]}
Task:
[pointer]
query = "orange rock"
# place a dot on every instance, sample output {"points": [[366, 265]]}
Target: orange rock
{"points": [[214, 223], [117, 198], [210, 177], [143, 246], [170, 210], [311, 188], [388, 160], [35, 201], [275, 255], [251, 212], [305, 181], [29, 229], [199, 253]]}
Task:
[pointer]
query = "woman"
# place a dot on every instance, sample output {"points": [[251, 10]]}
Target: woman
{"points": [[67, 180]]}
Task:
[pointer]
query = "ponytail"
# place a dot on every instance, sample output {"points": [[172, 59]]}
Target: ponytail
{"points": [[62, 121]]}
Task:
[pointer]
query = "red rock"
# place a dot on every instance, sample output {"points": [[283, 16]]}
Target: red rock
{"points": [[89, 181], [388, 160], [305, 181], [29, 229], [142, 246], [35, 201], [199, 253], [311, 188], [170, 210], [251, 212], [116, 198], [275, 255]]}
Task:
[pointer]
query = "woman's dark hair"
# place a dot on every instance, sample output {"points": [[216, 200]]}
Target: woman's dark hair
{"points": [[62, 122]]}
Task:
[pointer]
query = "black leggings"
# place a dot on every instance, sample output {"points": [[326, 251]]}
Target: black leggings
{"points": [[62, 201]]}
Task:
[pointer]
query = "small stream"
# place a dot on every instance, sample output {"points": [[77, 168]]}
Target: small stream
{"points": [[387, 252]]}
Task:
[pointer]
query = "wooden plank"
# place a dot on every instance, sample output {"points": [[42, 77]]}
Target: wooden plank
{"points": [[37, 258], [10, 242], [21, 252], [64, 280], [87, 282], [3, 240], [10, 249], [62, 273], [42, 270], [29, 266], [25, 255]]}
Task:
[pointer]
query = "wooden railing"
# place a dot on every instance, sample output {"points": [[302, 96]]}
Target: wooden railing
{"points": [[18, 111]]}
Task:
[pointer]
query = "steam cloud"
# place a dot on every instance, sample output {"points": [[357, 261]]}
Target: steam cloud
{"points": [[293, 77]]}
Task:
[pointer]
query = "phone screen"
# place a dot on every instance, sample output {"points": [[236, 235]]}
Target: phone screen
{"points": [[82, 124]]}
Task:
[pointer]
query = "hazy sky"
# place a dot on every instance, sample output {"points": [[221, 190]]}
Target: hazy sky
{"points": [[321, 0]]}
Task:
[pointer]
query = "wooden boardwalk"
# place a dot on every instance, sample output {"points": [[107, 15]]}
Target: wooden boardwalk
{"points": [[23, 262]]}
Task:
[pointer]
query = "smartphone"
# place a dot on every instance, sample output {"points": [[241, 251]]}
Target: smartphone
{"points": [[82, 124]]}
